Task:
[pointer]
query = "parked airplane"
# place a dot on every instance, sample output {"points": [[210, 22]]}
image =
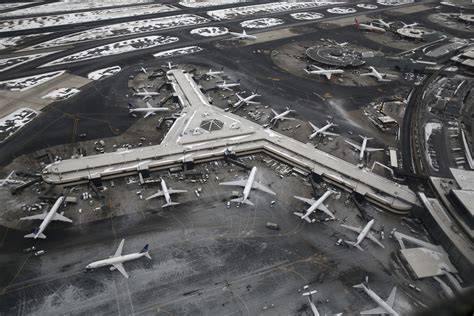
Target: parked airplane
{"points": [[412, 25], [248, 185], [52, 215], [379, 75], [385, 307], [242, 35], [309, 294], [169, 65], [281, 116], [116, 261], [385, 24], [363, 147], [227, 86], [323, 72], [246, 100], [9, 180], [341, 44], [368, 27], [214, 73], [143, 70], [145, 94], [363, 232], [166, 193], [315, 205], [149, 110], [322, 131]]}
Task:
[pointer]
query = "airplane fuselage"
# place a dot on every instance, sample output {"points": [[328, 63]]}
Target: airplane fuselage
{"points": [[114, 260], [379, 301], [362, 148], [365, 231], [49, 217], [316, 204], [166, 193], [281, 115], [149, 110], [145, 94], [248, 185], [321, 130], [370, 27]]}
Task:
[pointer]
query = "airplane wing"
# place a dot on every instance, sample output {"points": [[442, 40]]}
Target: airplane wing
{"points": [[354, 229], [159, 193], [314, 127], [374, 239], [374, 311], [353, 145], [287, 118], [37, 216], [308, 201], [330, 134], [328, 75], [171, 191], [62, 218], [252, 102], [240, 183], [369, 149], [368, 74], [391, 298], [261, 187], [121, 269], [148, 104], [323, 208], [148, 114], [119, 249], [274, 112]]}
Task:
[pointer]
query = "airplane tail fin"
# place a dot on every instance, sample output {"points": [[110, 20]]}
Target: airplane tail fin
{"points": [[358, 286], [353, 244], [241, 200], [35, 234], [145, 251], [170, 204]]}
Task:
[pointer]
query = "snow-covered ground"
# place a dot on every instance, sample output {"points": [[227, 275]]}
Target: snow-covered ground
{"points": [[210, 31], [394, 2], [203, 4], [115, 48], [341, 10], [14, 121], [178, 51], [127, 28], [7, 63], [261, 23], [61, 93], [81, 17], [103, 73], [273, 7], [25, 83], [367, 6], [68, 6], [4, 6], [8, 42], [307, 16]]}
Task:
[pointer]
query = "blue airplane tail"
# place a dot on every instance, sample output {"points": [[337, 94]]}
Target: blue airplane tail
{"points": [[145, 251]]}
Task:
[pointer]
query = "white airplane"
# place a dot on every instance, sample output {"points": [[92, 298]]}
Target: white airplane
{"points": [[363, 232], [169, 65], [385, 307], [310, 300], [385, 24], [143, 70], [281, 116], [47, 218], [368, 27], [341, 44], [246, 100], [149, 110], [227, 86], [166, 193], [379, 75], [145, 94], [363, 147], [315, 205], [9, 180], [322, 131], [324, 72], [211, 73], [116, 261], [412, 25], [248, 185], [242, 35]]}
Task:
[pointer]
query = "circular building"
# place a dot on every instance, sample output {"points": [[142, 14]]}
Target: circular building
{"points": [[412, 33], [335, 56]]}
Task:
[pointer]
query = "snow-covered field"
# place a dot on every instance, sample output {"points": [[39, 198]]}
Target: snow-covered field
{"points": [[178, 51], [341, 10], [261, 23], [210, 31], [127, 28], [4, 6], [115, 48], [25, 83], [81, 17], [307, 16], [7, 63], [14, 121], [62, 6], [8, 42], [203, 4], [394, 2], [61, 93], [273, 7], [103, 73], [367, 6]]}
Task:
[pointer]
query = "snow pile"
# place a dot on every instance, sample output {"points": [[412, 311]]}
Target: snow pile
{"points": [[81, 17], [7, 42], [367, 6], [7, 63], [126, 28], [394, 2], [203, 4], [25, 83], [103, 73], [178, 51], [307, 16], [210, 31], [261, 23], [14, 121], [273, 7], [341, 10], [431, 156], [115, 48], [61, 93]]}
